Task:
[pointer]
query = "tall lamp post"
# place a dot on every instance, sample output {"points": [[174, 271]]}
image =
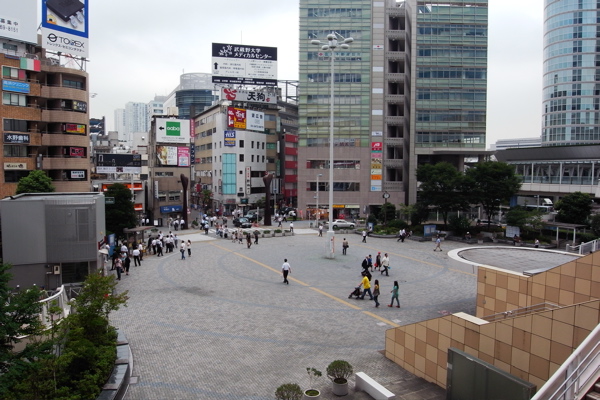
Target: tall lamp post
{"points": [[331, 45], [317, 197]]}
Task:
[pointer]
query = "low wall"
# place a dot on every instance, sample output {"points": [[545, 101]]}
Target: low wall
{"points": [[116, 386]]}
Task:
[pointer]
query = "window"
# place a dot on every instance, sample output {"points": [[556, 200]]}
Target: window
{"points": [[73, 84], [174, 195], [252, 144], [14, 176], [13, 73], [14, 99], [252, 158], [15, 151], [241, 158], [15, 125], [8, 46], [241, 144]]}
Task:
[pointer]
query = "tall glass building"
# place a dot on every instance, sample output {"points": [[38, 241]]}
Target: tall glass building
{"points": [[449, 83], [571, 97]]}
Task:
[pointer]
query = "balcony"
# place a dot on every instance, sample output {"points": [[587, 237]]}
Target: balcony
{"points": [[61, 92], [291, 164], [395, 162], [395, 98], [59, 139], [70, 117], [71, 186], [395, 11], [291, 179], [393, 186], [395, 77], [395, 34], [31, 113], [291, 151], [394, 120], [65, 163], [396, 55]]}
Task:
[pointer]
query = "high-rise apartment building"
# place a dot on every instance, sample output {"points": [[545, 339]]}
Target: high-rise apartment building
{"points": [[411, 89], [571, 92]]}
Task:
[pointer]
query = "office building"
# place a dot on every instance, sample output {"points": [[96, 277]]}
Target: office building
{"points": [[410, 90], [571, 94]]}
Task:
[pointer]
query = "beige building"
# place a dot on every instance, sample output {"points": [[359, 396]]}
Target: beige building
{"points": [[525, 325]]}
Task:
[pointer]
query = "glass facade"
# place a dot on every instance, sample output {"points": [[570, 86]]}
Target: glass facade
{"points": [[571, 94], [451, 74], [192, 102], [352, 73]]}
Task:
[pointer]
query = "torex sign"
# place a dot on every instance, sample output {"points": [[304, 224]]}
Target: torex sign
{"points": [[172, 130]]}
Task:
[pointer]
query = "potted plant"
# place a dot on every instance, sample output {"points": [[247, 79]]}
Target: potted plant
{"points": [[288, 391], [339, 371], [312, 393], [277, 232]]}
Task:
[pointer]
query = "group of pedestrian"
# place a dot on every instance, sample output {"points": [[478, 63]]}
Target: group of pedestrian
{"points": [[365, 283]]}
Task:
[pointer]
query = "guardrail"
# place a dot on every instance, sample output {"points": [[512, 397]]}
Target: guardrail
{"points": [[584, 248], [55, 307], [521, 311], [575, 376]]}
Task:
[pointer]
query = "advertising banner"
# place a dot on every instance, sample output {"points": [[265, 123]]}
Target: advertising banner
{"points": [[14, 86], [166, 156], [74, 128], [249, 96], [76, 152], [15, 166], [183, 156], [172, 130], [236, 118], [65, 26], [255, 120], [77, 174], [244, 64], [18, 20], [229, 138], [376, 166], [119, 160]]}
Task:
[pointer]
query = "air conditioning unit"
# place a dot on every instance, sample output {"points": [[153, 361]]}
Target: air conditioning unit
{"points": [[56, 269]]}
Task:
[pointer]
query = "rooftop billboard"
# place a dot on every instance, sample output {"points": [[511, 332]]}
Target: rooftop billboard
{"points": [[65, 26], [241, 64], [172, 130], [18, 20]]}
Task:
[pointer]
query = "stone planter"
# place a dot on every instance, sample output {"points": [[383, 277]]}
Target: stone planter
{"points": [[340, 389], [311, 396]]}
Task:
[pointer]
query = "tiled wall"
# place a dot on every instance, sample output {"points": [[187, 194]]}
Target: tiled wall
{"points": [[531, 347]]}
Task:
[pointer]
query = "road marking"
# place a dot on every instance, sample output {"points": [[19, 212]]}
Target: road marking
{"points": [[342, 301]]}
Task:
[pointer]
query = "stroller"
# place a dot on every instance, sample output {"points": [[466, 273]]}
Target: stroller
{"points": [[356, 292]]}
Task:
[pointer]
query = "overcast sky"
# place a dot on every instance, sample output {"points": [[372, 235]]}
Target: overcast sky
{"points": [[138, 49]]}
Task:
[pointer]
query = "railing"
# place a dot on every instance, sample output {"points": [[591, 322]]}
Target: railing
{"points": [[575, 376], [584, 248], [521, 311], [60, 299]]}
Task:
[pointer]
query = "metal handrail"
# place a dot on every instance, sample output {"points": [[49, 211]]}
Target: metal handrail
{"points": [[60, 299], [584, 248], [521, 311], [577, 374]]}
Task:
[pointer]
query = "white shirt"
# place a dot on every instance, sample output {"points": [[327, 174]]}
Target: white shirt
{"points": [[286, 266]]}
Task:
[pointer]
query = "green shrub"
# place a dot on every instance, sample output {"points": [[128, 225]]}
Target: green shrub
{"points": [[459, 225], [397, 224], [339, 371], [288, 391]]}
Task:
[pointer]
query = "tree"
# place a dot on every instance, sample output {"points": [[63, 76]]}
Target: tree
{"points": [[595, 224], [524, 219], [387, 212], [574, 208], [36, 182], [120, 215], [442, 186], [493, 183]]}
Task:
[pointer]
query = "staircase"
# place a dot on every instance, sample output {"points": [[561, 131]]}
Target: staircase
{"points": [[594, 393]]}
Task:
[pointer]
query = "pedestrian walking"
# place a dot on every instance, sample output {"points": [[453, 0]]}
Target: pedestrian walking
{"points": [[141, 249], [256, 233], [136, 257], [366, 284], [119, 267], [364, 236], [159, 248], [385, 264], [377, 264], [182, 250], [189, 247], [376, 292], [248, 239], [370, 262], [292, 227], [536, 243], [438, 243], [126, 263], [365, 264], [345, 246], [394, 292], [154, 246], [286, 269], [320, 230]]}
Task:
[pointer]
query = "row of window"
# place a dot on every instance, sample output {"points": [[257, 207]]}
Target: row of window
{"points": [[454, 95], [338, 77], [338, 121], [15, 151], [321, 35], [208, 132], [452, 29], [337, 186], [335, 13], [14, 125], [13, 73], [326, 99], [452, 73], [452, 51], [575, 18], [339, 56], [571, 76], [576, 118], [450, 137], [570, 47], [337, 142], [14, 99], [449, 116], [337, 164], [171, 195], [559, 7]]}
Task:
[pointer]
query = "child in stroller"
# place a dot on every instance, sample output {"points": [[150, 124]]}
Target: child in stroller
{"points": [[356, 292]]}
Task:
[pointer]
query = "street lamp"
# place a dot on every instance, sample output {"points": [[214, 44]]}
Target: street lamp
{"points": [[317, 197], [332, 44]]}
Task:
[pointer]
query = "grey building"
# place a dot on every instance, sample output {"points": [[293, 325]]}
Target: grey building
{"points": [[51, 239]]}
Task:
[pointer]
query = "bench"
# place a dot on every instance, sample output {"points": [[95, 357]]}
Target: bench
{"points": [[367, 384]]}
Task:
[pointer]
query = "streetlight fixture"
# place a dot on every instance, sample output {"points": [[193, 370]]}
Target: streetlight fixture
{"points": [[317, 197], [331, 45]]}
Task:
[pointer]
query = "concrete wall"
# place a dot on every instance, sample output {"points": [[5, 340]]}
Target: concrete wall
{"points": [[531, 346]]}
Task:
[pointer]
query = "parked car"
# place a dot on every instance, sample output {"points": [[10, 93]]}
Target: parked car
{"points": [[242, 223], [341, 224], [252, 217], [484, 222]]}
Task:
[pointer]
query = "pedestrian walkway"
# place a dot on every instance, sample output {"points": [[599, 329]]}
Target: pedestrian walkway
{"points": [[222, 325]]}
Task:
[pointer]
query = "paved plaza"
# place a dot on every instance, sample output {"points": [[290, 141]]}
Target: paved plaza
{"points": [[222, 325]]}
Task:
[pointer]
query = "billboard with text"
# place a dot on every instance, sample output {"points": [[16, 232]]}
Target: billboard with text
{"points": [[65, 26], [241, 64], [18, 20]]}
